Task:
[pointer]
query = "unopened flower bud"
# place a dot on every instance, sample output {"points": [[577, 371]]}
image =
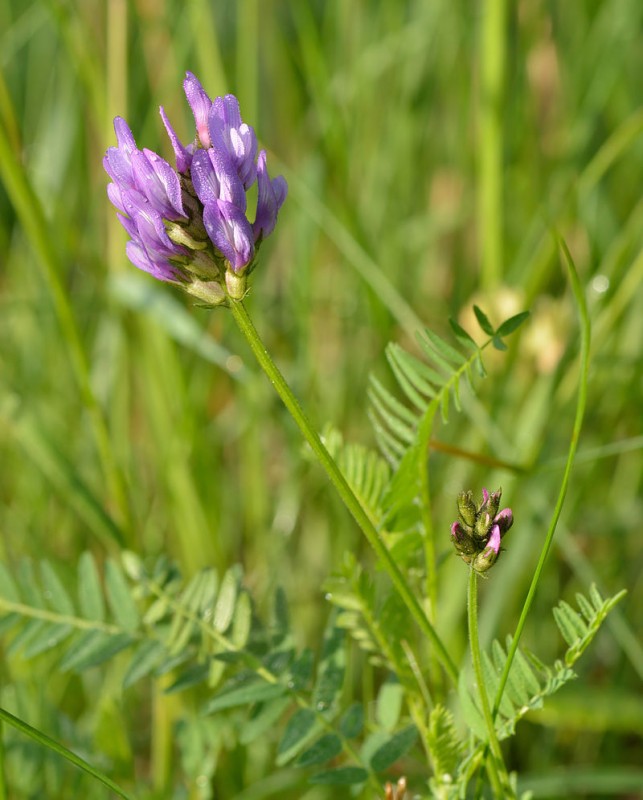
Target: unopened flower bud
{"points": [[462, 542], [236, 284], [485, 560], [504, 520], [467, 508], [211, 292]]}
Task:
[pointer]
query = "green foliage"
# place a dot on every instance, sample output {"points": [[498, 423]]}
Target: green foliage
{"points": [[530, 681], [403, 431], [431, 383], [204, 636], [130, 418]]}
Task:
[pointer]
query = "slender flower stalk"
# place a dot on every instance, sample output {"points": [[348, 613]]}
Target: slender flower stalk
{"points": [[496, 768]]}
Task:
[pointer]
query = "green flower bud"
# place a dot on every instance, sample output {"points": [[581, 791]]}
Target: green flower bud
{"points": [[467, 508]]}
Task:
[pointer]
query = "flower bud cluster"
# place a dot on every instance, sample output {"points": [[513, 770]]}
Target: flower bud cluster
{"points": [[477, 534], [189, 225]]}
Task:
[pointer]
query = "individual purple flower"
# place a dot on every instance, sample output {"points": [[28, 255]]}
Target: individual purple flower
{"points": [[230, 232], [159, 183], [200, 104], [150, 248], [183, 155], [478, 532], [270, 197], [230, 135], [214, 179]]}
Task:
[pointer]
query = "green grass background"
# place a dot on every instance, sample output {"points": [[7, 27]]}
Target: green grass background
{"points": [[430, 146]]}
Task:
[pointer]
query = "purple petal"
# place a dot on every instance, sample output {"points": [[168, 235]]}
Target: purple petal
{"points": [[159, 268], [124, 135], [118, 160], [230, 232], [181, 153], [271, 195], [215, 179], [494, 539], [504, 520], [159, 183], [150, 229], [456, 531], [200, 104]]}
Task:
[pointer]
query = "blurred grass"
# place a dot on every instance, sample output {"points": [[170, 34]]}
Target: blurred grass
{"points": [[126, 416]]}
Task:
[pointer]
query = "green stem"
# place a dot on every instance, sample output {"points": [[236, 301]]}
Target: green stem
{"points": [[52, 744], [495, 765], [430, 564], [3, 776], [578, 422], [343, 489]]}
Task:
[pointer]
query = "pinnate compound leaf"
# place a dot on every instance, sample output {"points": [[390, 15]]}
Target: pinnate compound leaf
{"points": [[342, 776], [569, 623], [325, 748], [398, 745], [443, 740]]}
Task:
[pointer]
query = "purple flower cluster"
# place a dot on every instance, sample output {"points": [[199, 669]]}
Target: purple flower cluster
{"points": [[477, 534], [189, 225]]}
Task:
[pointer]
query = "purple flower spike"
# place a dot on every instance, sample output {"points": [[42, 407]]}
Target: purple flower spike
{"points": [[200, 104], [271, 195], [230, 232], [188, 224]]}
